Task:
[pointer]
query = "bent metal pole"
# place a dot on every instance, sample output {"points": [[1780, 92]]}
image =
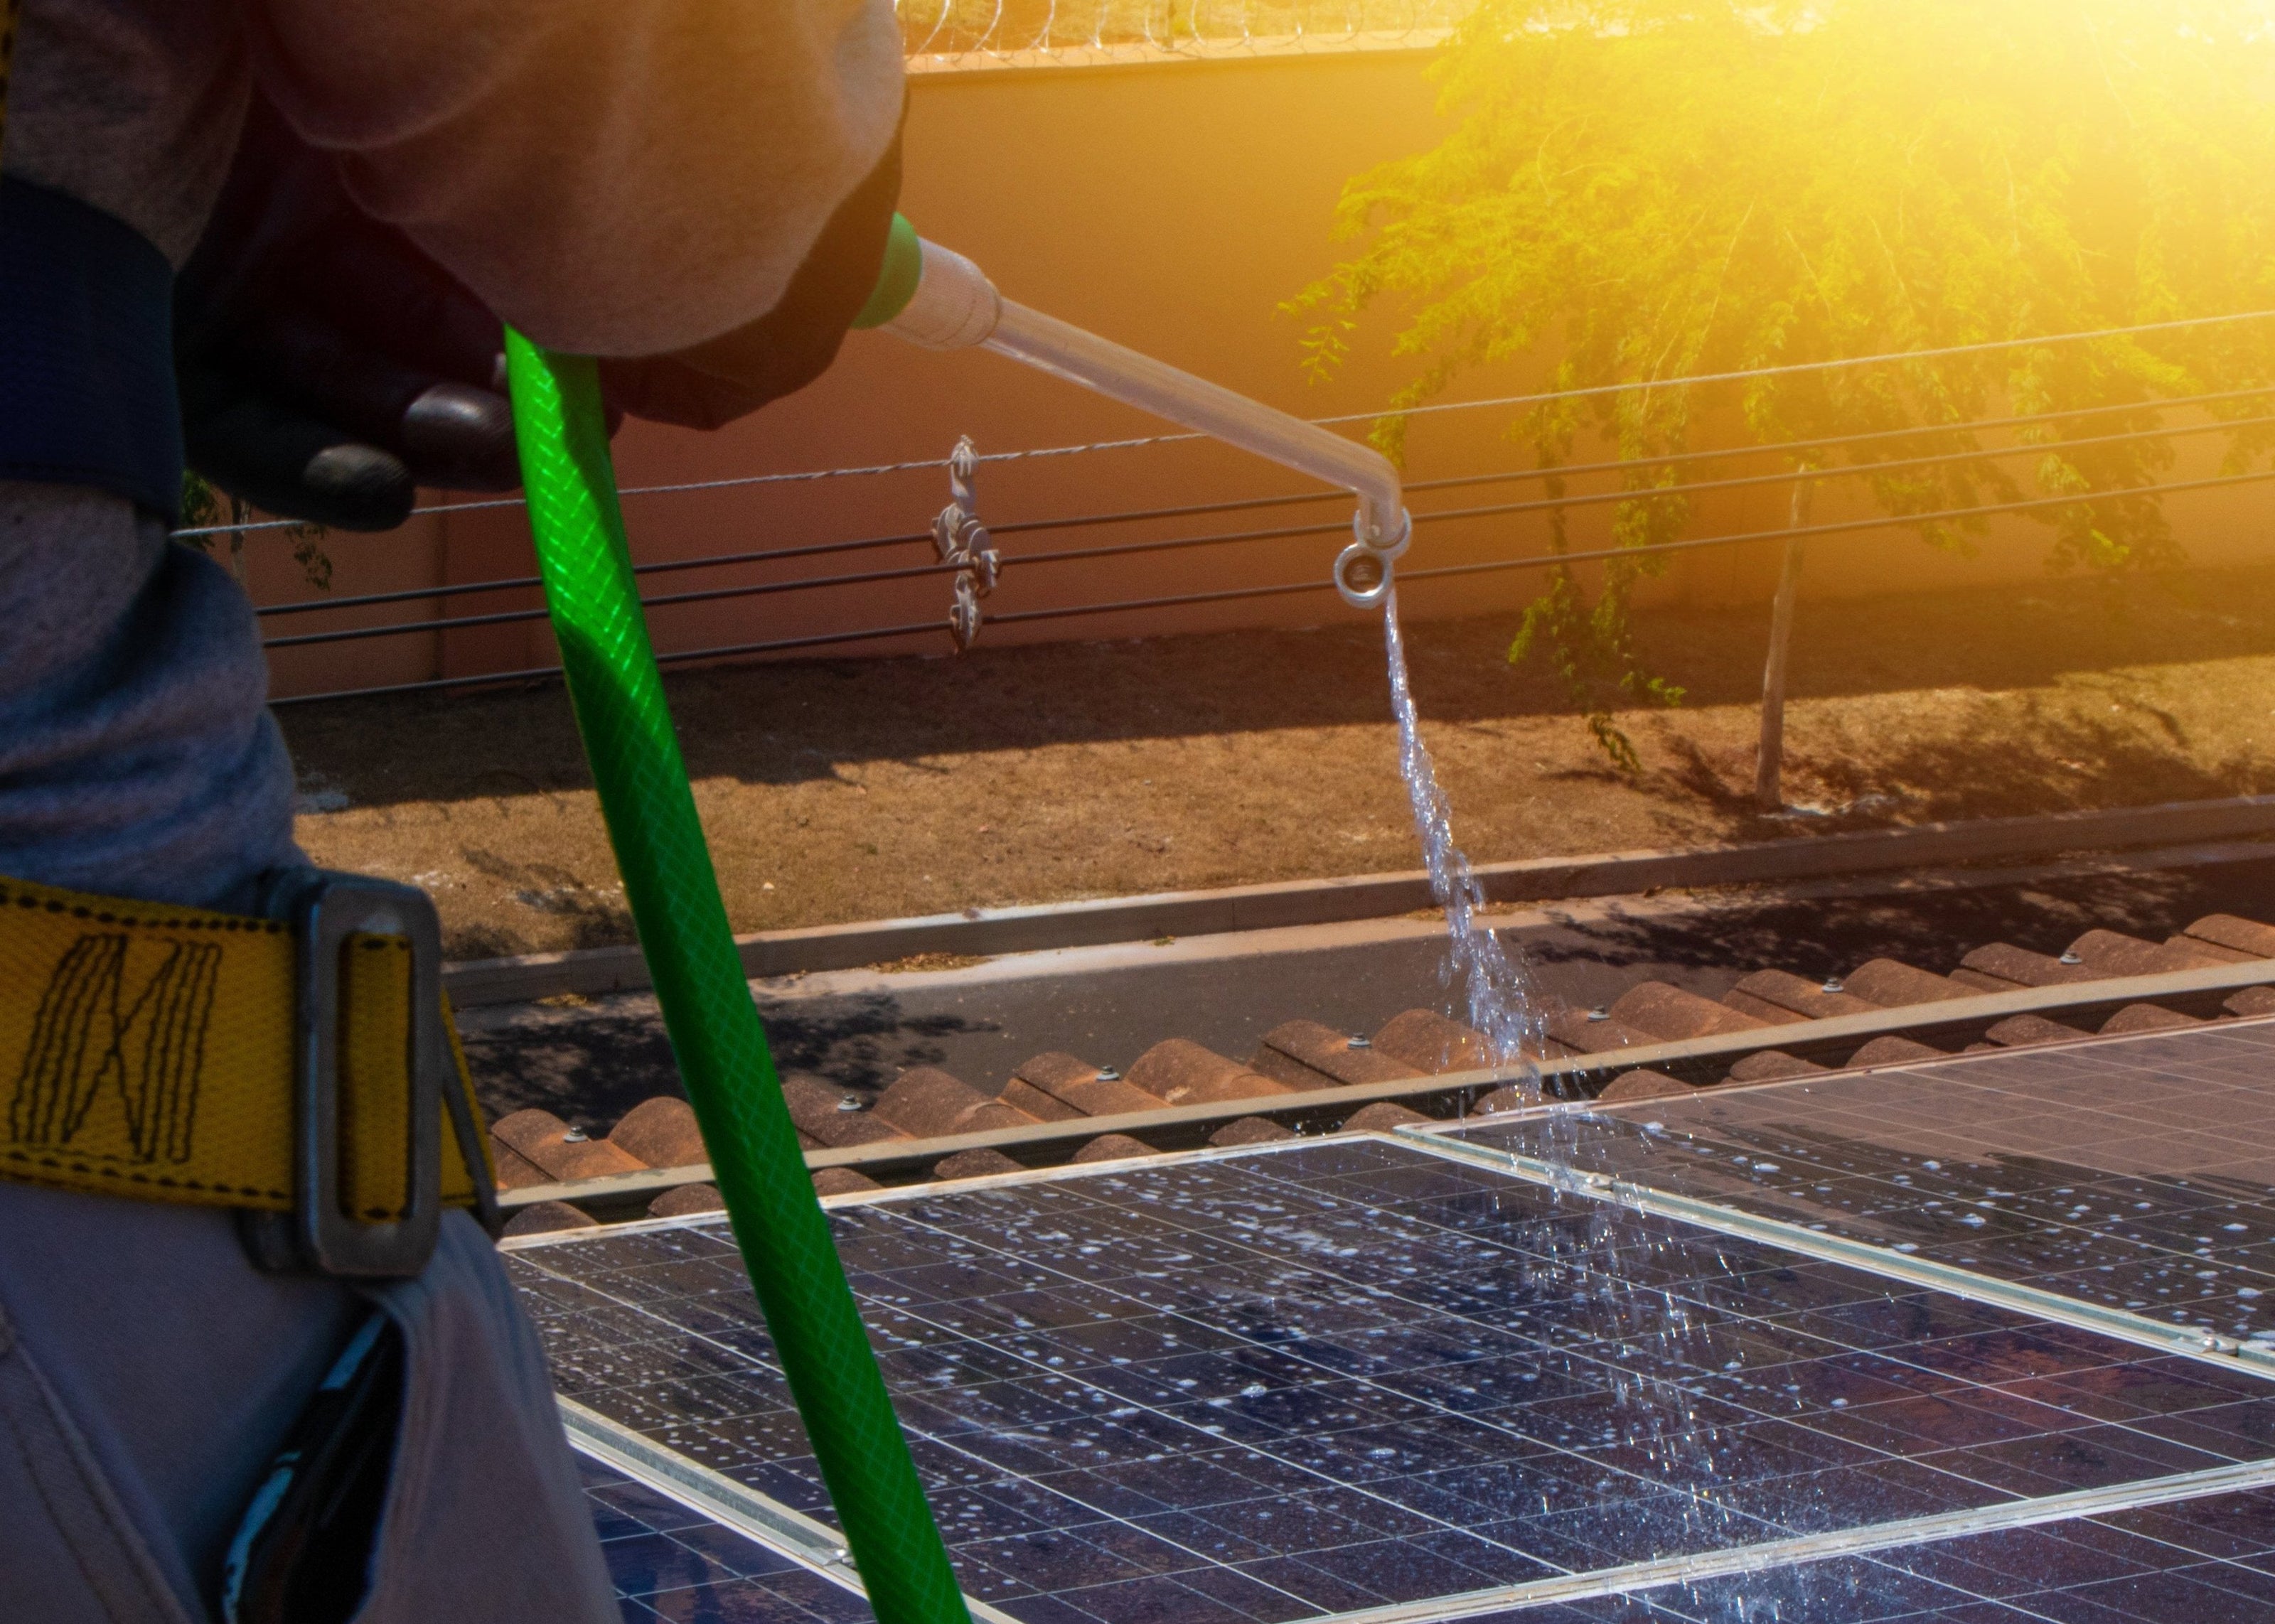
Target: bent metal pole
{"points": [[716, 1036]]}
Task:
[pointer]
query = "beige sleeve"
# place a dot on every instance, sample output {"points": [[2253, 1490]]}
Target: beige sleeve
{"points": [[613, 176]]}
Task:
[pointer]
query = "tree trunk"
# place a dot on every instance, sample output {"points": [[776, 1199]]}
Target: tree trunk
{"points": [[1769, 764]]}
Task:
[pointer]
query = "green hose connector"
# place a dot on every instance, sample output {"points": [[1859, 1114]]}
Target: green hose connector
{"points": [[716, 1036], [896, 278]]}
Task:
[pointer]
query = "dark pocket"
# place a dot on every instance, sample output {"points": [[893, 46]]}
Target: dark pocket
{"points": [[302, 1554]]}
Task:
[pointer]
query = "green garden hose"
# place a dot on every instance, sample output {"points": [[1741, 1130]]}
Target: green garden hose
{"points": [[716, 1036]]}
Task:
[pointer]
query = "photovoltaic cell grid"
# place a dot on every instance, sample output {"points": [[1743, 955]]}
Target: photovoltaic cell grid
{"points": [[2136, 1174], [667, 1561], [1335, 1378], [2208, 1562]]}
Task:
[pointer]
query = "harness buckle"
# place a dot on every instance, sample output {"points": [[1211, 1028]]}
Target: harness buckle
{"points": [[325, 910]]}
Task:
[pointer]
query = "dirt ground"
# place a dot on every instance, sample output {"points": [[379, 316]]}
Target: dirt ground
{"points": [[841, 790]]}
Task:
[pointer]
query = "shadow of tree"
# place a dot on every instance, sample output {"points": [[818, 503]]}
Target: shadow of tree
{"points": [[598, 915], [799, 721], [591, 1063], [1818, 937]]}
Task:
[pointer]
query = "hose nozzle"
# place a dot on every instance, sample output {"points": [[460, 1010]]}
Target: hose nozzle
{"points": [[1363, 569], [941, 300]]}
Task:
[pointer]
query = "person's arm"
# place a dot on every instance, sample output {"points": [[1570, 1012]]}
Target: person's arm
{"points": [[329, 366], [617, 178]]}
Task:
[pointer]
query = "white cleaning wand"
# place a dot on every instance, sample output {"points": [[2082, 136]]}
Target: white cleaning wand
{"points": [[937, 298]]}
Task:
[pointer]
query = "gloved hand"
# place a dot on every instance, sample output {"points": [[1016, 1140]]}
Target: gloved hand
{"points": [[327, 367]]}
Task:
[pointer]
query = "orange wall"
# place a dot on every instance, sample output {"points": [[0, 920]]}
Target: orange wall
{"points": [[1171, 207]]}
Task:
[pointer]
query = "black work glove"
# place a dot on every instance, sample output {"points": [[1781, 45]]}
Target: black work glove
{"points": [[327, 369]]}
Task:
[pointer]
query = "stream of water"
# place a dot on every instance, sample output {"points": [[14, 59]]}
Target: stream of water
{"points": [[1493, 987], [1598, 1257]]}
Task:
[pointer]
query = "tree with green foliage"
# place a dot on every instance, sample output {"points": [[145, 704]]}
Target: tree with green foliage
{"points": [[206, 509], [1636, 191]]}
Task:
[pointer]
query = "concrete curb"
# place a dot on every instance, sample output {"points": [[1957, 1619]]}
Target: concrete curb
{"points": [[989, 931]]}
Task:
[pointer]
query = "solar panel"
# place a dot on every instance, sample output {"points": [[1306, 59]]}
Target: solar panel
{"points": [[668, 1560], [2204, 1561], [2131, 1174], [1357, 1375]]}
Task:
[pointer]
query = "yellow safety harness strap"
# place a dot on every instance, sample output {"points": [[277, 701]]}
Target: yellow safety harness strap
{"points": [[147, 1052]]}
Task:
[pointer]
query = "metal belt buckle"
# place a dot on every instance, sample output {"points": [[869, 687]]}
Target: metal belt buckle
{"points": [[325, 910]]}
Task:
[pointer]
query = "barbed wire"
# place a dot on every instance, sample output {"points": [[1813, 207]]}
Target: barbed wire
{"points": [[953, 31]]}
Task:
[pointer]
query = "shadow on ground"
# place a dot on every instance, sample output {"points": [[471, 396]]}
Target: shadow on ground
{"points": [[795, 721], [591, 1064]]}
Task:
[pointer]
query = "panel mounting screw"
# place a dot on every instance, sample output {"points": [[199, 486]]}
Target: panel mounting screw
{"points": [[1833, 984], [1360, 1043], [2070, 958], [1108, 1074], [1599, 1013], [850, 1103]]}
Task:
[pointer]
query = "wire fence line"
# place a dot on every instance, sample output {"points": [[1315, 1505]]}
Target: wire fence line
{"points": [[1787, 448], [1911, 448], [1582, 499], [731, 482], [1535, 561], [1503, 401], [1627, 494]]}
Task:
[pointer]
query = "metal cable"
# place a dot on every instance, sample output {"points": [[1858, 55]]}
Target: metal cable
{"points": [[1549, 504], [1538, 561], [1784, 448], [1253, 504], [1788, 448], [195, 531], [1594, 392], [728, 483], [665, 567], [1674, 460], [1549, 561], [507, 616], [1183, 543], [1598, 391], [538, 673], [1895, 521]]}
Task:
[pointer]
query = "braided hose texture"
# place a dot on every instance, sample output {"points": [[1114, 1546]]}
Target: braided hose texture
{"points": [[716, 1036]]}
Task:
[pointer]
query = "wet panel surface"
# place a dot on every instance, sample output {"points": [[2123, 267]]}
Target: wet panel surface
{"points": [[2207, 1561], [668, 1562], [2133, 1175], [1350, 1374]]}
